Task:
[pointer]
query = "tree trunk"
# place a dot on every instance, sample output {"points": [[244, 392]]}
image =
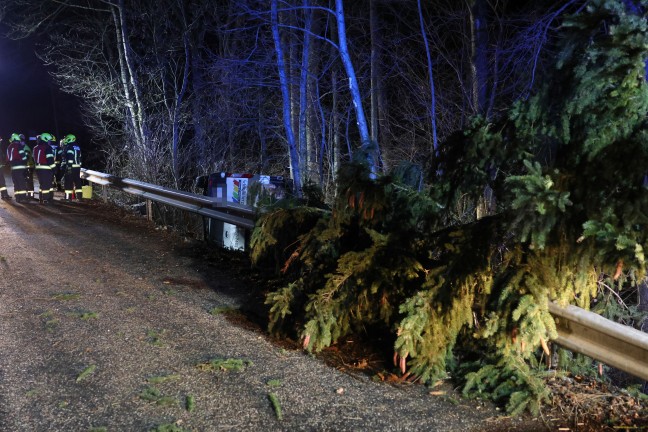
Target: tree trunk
{"points": [[435, 144], [177, 108], [480, 55], [134, 81], [336, 142], [293, 72], [375, 68], [372, 149], [303, 91], [283, 80], [198, 88], [313, 159], [263, 153], [123, 74], [316, 125]]}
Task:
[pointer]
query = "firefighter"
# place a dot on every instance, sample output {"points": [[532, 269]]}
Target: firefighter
{"points": [[57, 149], [17, 158], [4, 194], [44, 164], [29, 171], [71, 166]]}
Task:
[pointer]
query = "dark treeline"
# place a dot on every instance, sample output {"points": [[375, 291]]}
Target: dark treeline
{"points": [[172, 89]]}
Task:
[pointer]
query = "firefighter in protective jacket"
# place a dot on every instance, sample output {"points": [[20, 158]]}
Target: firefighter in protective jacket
{"points": [[3, 160], [44, 164], [57, 150], [71, 165], [17, 158]]}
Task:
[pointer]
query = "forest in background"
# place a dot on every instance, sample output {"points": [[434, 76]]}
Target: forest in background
{"points": [[172, 89], [475, 159]]}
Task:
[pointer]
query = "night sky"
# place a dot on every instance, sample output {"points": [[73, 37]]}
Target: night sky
{"points": [[30, 103]]}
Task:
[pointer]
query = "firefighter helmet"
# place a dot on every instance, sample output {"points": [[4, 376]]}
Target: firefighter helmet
{"points": [[14, 137], [69, 138], [46, 137]]}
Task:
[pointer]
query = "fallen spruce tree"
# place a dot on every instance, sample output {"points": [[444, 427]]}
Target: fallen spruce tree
{"points": [[467, 296]]}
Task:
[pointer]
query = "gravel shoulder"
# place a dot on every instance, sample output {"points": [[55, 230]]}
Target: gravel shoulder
{"points": [[107, 324]]}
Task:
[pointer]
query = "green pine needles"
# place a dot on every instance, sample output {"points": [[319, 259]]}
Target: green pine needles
{"points": [[470, 296]]}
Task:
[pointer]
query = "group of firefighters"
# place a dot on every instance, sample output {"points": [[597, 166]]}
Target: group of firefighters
{"points": [[51, 161]]}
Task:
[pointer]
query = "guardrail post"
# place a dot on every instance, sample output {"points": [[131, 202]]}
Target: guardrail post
{"points": [[149, 210]]}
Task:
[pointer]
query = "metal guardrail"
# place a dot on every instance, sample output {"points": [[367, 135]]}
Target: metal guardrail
{"points": [[235, 214], [614, 344], [578, 330]]}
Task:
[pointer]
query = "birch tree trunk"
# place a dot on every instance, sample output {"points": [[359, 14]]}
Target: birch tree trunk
{"points": [[285, 92], [134, 81], [373, 155], [123, 75]]}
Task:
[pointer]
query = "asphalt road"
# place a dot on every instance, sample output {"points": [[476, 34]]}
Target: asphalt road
{"points": [[107, 324]]}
